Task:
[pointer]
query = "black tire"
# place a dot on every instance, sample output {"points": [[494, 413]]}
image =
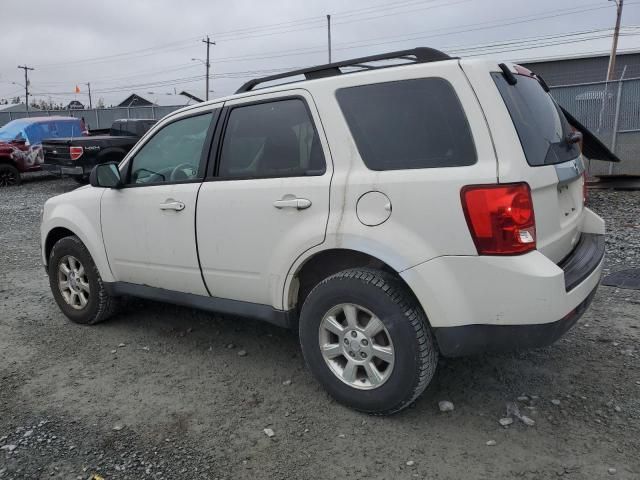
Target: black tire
{"points": [[100, 305], [9, 175], [387, 297]]}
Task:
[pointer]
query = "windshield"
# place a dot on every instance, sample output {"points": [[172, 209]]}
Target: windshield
{"points": [[541, 126]]}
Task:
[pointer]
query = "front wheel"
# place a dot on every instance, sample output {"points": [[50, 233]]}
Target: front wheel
{"points": [[366, 340], [76, 283]]}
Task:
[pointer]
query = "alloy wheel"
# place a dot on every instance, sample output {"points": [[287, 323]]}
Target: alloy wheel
{"points": [[356, 346], [73, 282]]}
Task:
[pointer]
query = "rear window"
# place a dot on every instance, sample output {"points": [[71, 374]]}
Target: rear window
{"points": [[541, 126], [408, 124]]}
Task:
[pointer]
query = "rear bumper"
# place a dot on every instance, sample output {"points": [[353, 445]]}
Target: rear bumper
{"points": [[483, 303], [63, 170], [473, 339]]}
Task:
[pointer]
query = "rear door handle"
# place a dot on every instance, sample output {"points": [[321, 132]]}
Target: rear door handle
{"points": [[298, 203], [170, 204]]}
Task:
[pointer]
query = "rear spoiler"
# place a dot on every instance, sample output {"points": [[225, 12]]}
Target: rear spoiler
{"points": [[592, 147]]}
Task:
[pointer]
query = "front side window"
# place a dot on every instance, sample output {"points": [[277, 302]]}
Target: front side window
{"points": [[173, 153], [408, 124], [273, 139], [541, 126]]}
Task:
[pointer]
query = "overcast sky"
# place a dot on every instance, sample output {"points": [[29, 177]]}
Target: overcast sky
{"points": [[122, 46]]}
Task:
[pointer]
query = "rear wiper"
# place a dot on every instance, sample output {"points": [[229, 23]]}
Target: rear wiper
{"points": [[508, 74]]}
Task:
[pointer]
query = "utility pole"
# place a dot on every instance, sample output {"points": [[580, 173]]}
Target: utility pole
{"points": [[26, 84], [208, 65], [89, 87], [614, 47], [329, 35]]}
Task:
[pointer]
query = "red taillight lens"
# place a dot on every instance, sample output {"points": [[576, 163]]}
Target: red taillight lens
{"points": [[500, 218], [76, 152]]}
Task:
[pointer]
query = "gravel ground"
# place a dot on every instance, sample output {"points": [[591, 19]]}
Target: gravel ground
{"points": [[163, 392]]}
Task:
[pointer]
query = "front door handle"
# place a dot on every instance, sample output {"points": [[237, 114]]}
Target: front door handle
{"points": [[171, 204], [298, 203]]}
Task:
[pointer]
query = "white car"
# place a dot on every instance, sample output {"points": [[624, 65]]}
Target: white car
{"points": [[390, 208]]}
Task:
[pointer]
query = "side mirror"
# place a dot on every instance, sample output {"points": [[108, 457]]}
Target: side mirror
{"points": [[105, 175]]}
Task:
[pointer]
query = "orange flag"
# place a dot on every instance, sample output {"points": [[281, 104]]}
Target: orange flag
{"points": [[77, 89]]}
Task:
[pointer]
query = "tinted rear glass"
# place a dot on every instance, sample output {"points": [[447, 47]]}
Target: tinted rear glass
{"points": [[541, 126], [408, 124]]}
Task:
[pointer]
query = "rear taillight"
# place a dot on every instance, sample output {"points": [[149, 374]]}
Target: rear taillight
{"points": [[76, 152], [500, 218]]}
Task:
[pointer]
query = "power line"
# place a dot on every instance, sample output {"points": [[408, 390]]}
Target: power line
{"points": [[385, 40], [302, 25], [495, 47]]}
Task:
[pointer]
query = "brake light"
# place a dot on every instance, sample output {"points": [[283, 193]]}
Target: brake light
{"points": [[76, 152], [500, 218]]}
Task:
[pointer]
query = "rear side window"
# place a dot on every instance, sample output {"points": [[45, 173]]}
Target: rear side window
{"points": [[271, 139], [408, 124], [541, 125]]}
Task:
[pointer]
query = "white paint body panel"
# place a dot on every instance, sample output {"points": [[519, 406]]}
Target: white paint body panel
{"points": [[78, 212], [522, 290], [149, 246], [247, 244], [251, 251], [558, 214]]}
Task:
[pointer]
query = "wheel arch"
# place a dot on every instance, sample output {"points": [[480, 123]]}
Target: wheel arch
{"points": [[81, 219], [54, 236], [324, 263]]}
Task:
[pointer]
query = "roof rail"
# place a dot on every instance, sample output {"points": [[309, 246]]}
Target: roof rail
{"points": [[414, 55]]}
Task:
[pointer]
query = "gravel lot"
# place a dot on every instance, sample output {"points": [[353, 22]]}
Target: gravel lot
{"points": [[163, 392]]}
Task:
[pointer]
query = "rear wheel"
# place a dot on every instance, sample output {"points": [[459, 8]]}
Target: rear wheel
{"points": [[76, 283], [366, 340], [9, 175]]}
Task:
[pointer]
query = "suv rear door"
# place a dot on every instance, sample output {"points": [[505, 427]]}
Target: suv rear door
{"points": [[531, 135], [265, 200]]}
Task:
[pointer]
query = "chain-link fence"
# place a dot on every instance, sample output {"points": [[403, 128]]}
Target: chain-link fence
{"points": [[96, 117], [611, 110]]}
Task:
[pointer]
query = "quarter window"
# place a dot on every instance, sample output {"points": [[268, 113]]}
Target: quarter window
{"points": [[173, 153], [273, 139], [408, 124]]}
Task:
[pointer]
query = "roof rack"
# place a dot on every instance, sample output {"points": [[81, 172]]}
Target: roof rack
{"points": [[414, 55]]}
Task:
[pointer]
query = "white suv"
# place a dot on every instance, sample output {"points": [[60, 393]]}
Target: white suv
{"points": [[390, 208]]}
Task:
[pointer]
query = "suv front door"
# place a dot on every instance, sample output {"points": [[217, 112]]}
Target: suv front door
{"points": [[267, 199], [148, 224]]}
